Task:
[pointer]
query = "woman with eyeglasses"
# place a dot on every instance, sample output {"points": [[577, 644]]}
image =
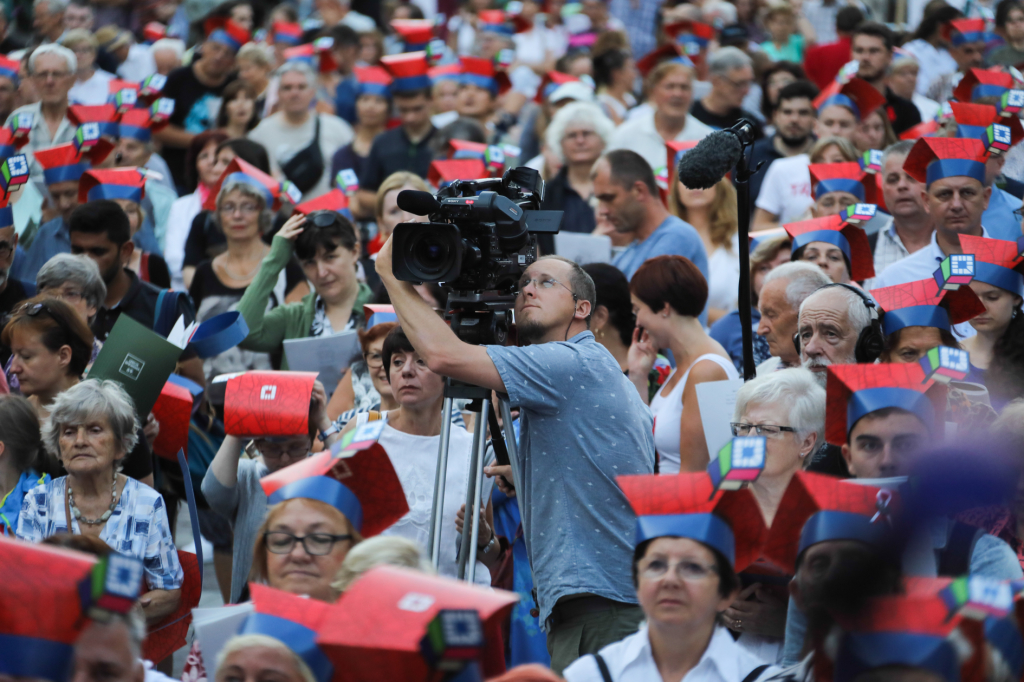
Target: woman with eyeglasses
{"points": [[372, 342], [75, 280]]}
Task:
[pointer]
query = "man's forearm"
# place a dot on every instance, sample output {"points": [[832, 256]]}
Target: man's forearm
{"points": [[427, 332]]}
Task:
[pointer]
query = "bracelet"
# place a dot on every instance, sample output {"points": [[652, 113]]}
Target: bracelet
{"points": [[330, 431], [490, 543]]}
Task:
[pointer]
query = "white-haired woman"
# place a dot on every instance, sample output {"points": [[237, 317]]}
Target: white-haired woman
{"points": [[91, 428], [383, 550], [75, 280], [258, 657]]}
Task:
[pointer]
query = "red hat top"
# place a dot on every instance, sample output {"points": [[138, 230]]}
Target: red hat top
{"points": [[924, 304], [10, 142], [923, 129], [242, 171], [846, 176], [675, 150], [64, 163], [268, 404], [465, 149], [934, 158], [444, 172], [996, 262], [227, 32], [112, 183], [100, 113], [973, 120], [335, 200], [857, 95], [835, 230], [692, 36], [855, 391], [963, 31], [978, 83], [667, 52], [816, 508], [373, 80], [154, 31], [409, 70], [495, 21], [482, 73], [550, 83], [286, 33], [687, 505], [414, 32]]}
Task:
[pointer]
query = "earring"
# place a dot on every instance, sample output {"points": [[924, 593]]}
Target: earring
{"points": [[600, 333]]}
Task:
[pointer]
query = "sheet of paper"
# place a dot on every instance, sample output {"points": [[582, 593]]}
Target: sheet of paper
{"points": [[717, 400], [214, 627], [328, 356], [584, 248]]}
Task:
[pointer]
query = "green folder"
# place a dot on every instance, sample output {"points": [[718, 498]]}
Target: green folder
{"points": [[139, 359]]}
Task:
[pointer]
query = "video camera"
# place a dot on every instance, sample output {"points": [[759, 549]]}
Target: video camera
{"points": [[481, 234]]}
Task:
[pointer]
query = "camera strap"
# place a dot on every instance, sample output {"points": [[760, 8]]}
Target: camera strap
{"points": [[498, 442]]}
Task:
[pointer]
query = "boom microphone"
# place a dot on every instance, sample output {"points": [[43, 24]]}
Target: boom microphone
{"points": [[714, 156], [418, 203]]}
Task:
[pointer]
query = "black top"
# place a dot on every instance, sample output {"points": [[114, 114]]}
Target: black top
{"points": [[195, 107], [560, 196], [157, 272], [903, 113], [391, 152], [346, 157], [139, 303], [206, 284], [206, 241], [720, 122], [762, 150]]}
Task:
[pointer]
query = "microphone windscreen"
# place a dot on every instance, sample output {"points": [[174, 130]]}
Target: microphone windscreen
{"points": [[707, 163], [418, 202]]}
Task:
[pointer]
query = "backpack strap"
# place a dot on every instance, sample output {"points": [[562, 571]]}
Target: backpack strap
{"points": [[955, 558], [755, 673], [166, 312], [603, 667]]}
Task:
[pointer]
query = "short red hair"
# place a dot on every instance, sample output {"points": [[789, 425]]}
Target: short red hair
{"points": [[671, 279]]}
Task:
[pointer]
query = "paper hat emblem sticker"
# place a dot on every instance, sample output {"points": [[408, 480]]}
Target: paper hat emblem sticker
{"points": [[347, 180], [946, 364], [977, 597], [86, 137], [739, 462], [956, 270], [871, 161], [132, 366], [1011, 103], [13, 172], [21, 124], [859, 213], [998, 138]]}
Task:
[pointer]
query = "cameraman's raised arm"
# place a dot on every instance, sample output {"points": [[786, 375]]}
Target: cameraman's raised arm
{"points": [[431, 336]]}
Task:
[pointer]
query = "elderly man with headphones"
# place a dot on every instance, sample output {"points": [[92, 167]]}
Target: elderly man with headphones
{"points": [[838, 325]]}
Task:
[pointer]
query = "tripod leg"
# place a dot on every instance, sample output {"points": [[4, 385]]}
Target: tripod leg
{"points": [[467, 550], [436, 520], [511, 445]]}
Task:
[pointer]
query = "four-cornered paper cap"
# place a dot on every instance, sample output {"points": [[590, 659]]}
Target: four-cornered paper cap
{"points": [[854, 391], [226, 32], [443, 172], [481, 73], [834, 230], [415, 33], [494, 21], [286, 33], [138, 124], [550, 82], [465, 149], [6, 215], [934, 158], [112, 183], [335, 200], [445, 72], [978, 83], [246, 172], [857, 95], [374, 630], [379, 313], [692, 36], [816, 508], [373, 80], [268, 404], [996, 262], [846, 176], [924, 304], [10, 143], [293, 621], [361, 484], [687, 506], [104, 115], [173, 410], [963, 31], [924, 129], [61, 164], [9, 69], [667, 52], [675, 150], [409, 71], [973, 120], [154, 31]]}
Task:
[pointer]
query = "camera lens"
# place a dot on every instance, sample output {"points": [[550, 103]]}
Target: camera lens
{"points": [[432, 253]]}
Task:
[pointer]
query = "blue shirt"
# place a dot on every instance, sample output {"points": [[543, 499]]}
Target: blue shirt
{"points": [[345, 96], [998, 218], [51, 238], [729, 332], [582, 425], [10, 504]]}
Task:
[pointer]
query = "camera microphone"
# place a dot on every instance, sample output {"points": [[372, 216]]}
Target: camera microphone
{"points": [[714, 156], [417, 202]]}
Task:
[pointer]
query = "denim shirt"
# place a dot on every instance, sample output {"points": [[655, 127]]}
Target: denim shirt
{"points": [[582, 425]]}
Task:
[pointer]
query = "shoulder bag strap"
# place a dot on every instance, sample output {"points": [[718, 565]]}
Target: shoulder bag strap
{"points": [[603, 667], [755, 673]]}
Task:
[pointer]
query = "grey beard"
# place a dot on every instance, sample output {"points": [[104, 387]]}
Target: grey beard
{"points": [[811, 363]]}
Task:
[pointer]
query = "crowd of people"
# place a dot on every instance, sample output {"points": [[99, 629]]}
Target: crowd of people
{"points": [[205, 325]]}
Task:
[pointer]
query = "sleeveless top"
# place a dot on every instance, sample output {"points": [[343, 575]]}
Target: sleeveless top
{"points": [[668, 411]]}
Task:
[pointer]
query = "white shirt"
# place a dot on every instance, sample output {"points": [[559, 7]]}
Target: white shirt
{"points": [[639, 135], [282, 140], [934, 62], [724, 276], [926, 107], [91, 92], [786, 189], [179, 223], [139, 65], [631, 660]]}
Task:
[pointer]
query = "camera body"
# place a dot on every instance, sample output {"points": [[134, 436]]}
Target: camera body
{"points": [[481, 234]]}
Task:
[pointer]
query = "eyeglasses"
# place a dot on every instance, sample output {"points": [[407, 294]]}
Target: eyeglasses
{"points": [[772, 430], [739, 85], [293, 454], [689, 571], [374, 360], [315, 544], [6, 249], [248, 209], [47, 75], [69, 295], [544, 283]]}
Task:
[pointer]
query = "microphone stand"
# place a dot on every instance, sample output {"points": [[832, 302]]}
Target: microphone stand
{"points": [[743, 174]]}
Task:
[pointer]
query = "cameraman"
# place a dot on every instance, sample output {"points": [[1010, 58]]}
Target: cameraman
{"points": [[582, 424]]}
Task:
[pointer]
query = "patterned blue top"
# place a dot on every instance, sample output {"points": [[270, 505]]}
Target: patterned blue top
{"points": [[138, 527]]}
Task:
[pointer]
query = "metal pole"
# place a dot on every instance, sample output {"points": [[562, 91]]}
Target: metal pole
{"points": [[436, 520], [743, 174], [513, 447], [474, 488]]}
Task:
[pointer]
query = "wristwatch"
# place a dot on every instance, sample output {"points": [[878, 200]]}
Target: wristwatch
{"points": [[487, 548], [330, 431]]}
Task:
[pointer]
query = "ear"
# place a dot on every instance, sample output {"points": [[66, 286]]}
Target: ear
{"points": [[127, 249], [14, 243], [582, 309], [794, 592], [64, 356], [808, 444], [988, 196], [665, 309], [848, 458]]}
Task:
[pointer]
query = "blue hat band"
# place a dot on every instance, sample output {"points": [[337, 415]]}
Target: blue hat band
{"points": [[300, 639], [868, 400], [969, 37], [109, 128], [704, 528], [987, 90], [381, 318], [72, 173], [828, 236], [854, 187], [115, 192], [35, 657], [977, 132], [457, 77], [863, 651], [6, 216], [948, 168], [411, 83], [378, 89], [326, 490], [842, 100], [415, 47], [998, 276], [252, 182], [916, 316], [840, 525], [7, 151], [12, 75], [287, 39], [503, 29], [221, 36], [136, 133], [218, 334], [485, 82]]}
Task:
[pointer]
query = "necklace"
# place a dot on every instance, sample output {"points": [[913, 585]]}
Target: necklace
{"points": [[106, 515], [245, 278]]}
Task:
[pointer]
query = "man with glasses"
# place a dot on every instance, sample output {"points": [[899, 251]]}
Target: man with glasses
{"points": [[581, 424], [732, 73]]}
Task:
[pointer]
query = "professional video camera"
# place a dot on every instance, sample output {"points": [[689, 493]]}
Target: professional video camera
{"points": [[481, 232]]}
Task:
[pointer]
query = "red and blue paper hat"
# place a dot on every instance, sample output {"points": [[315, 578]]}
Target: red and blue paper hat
{"points": [[445, 72], [494, 21], [692, 36], [924, 304], [112, 183], [6, 211], [154, 31], [62, 163], [934, 158], [551, 82], [443, 173], [974, 120], [415, 33], [242, 171], [138, 124], [962, 31], [481, 73], [846, 176], [855, 391], [668, 52], [373, 80], [978, 83], [356, 477], [833, 229], [857, 95], [378, 313], [9, 69], [286, 33], [818, 508], [293, 621], [335, 200], [687, 506], [104, 115], [996, 262], [226, 32], [409, 71], [11, 143]]}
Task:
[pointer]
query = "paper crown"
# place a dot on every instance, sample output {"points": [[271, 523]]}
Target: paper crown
{"points": [[857, 95], [379, 313], [62, 163], [996, 262], [313, 55], [112, 183], [241, 171], [816, 508], [445, 72], [373, 80], [154, 31], [268, 404], [976, 120], [286, 33], [116, 85], [924, 129], [10, 142], [687, 506], [173, 411], [494, 21], [335, 200], [550, 83], [442, 173], [375, 629], [9, 69], [415, 33], [104, 115], [962, 31], [226, 32], [855, 391], [835, 230], [755, 239], [138, 124], [924, 304], [847, 176], [293, 621], [934, 158], [481, 73], [409, 71], [667, 52], [356, 477], [978, 83]]}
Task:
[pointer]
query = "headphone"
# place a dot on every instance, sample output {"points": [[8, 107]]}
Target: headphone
{"points": [[871, 341]]}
